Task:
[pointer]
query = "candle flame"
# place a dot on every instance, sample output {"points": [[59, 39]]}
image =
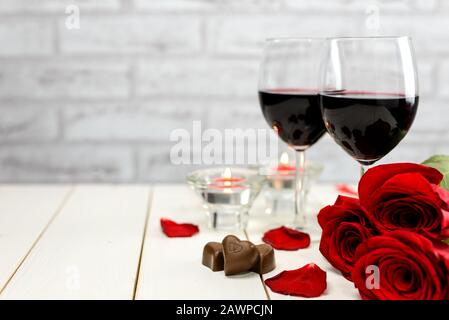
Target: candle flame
{"points": [[284, 158], [227, 175]]}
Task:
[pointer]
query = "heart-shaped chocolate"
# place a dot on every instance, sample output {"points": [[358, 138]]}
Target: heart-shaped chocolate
{"points": [[239, 256], [266, 259], [213, 256]]}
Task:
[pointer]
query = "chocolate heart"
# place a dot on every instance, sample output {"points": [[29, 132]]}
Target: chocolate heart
{"points": [[266, 259], [239, 256], [213, 256]]}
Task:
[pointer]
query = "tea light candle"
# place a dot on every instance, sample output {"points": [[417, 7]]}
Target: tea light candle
{"points": [[279, 195], [227, 180], [284, 164], [227, 196], [283, 176], [226, 190]]}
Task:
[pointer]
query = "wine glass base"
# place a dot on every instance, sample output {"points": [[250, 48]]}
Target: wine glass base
{"points": [[310, 227], [314, 235]]}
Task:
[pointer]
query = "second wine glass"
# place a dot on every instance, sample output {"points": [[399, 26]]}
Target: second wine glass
{"points": [[369, 94], [288, 96]]}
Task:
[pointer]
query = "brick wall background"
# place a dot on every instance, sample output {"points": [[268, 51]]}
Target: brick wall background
{"points": [[98, 103]]}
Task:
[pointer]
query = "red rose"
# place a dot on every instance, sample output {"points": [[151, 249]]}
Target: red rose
{"points": [[406, 196], [402, 265], [345, 227]]}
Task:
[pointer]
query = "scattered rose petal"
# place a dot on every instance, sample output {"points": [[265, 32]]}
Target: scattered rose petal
{"points": [[284, 238], [173, 229], [345, 189], [308, 281]]}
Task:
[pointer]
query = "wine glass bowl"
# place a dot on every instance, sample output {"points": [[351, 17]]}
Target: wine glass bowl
{"points": [[294, 114], [368, 94], [368, 125]]}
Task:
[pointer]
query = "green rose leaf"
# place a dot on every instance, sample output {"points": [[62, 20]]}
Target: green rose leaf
{"points": [[441, 163], [447, 241]]}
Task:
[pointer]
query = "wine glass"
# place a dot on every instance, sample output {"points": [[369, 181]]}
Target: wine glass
{"points": [[288, 96], [368, 94]]}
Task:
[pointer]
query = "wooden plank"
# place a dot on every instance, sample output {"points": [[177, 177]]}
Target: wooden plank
{"points": [[91, 250], [25, 212], [171, 267], [321, 195]]}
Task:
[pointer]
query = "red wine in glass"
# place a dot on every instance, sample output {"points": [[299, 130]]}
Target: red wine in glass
{"points": [[294, 114], [368, 125]]}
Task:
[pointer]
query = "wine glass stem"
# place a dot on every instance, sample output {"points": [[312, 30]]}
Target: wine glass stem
{"points": [[300, 190], [362, 170]]}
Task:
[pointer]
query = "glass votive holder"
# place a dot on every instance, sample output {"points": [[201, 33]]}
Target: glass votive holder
{"points": [[227, 194], [279, 193]]}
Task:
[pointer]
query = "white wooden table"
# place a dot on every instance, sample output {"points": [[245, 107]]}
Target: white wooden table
{"points": [[105, 242]]}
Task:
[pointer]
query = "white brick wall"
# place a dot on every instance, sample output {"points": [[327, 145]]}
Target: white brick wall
{"points": [[145, 121], [26, 123], [98, 103], [43, 163], [64, 79], [127, 34], [196, 77], [206, 5], [25, 37], [56, 6]]}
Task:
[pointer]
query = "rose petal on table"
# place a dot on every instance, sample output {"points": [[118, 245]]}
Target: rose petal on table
{"points": [[284, 238], [345, 189], [308, 281], [174, 230]]}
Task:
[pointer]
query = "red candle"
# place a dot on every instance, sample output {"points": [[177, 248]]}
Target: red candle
{"points": [[285, 167], [229, 180]]}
